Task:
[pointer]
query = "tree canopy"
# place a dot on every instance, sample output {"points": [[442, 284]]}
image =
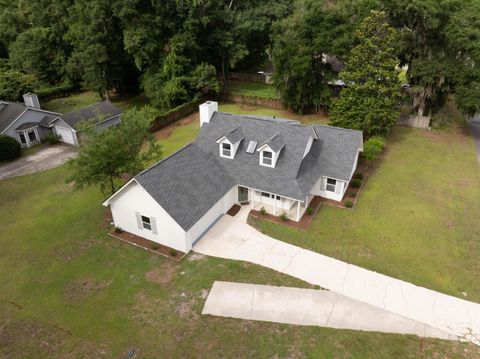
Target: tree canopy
{"points": [[369, 100]]}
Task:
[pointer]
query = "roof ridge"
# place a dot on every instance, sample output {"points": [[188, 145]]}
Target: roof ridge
{"points": [[163, 159], [337, 128], [84, 108]]}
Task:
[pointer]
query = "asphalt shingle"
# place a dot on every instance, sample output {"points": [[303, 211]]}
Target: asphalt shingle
{"points": [[100, 111]]}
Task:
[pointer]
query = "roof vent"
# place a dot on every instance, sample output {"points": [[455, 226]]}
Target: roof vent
{"points": [[251, 147]]}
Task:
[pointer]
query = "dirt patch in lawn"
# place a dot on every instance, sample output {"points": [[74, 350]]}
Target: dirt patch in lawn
{"points": [[83, 287], [167, 131], [163, 274]]}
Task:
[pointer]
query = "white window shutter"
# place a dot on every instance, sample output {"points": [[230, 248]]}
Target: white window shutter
{"points": [[323, 184], [139, 220], [338, 187], [153, 223]]}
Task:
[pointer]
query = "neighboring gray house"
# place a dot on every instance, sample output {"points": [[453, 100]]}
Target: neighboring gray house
{"points": [[101, 115], [26, 122], [276, 164], [29, 124]]}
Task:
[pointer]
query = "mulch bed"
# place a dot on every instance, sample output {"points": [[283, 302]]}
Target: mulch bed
{"points": [[148, 245], [304, 222], [234, 210]]}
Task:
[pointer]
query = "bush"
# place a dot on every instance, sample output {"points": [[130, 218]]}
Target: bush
{"points": [[356, 183], [52, 138], [359, 175], [173, 252], [10, 149], [263, 211], [284, 216], [373, 147], [118, 230], [352, 194], [155, 247], [349, 204], [309, 211]]}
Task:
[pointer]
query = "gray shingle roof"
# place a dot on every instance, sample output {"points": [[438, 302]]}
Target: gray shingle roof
{"points": [[45, 121], [101, 111], [188, 183], [26, 125], [276, 143], [235, 135], [9, 111]]}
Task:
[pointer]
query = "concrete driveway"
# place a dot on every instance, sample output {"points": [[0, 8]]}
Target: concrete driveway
{"points": [[233, 238], [301, 306], [44, 159]]}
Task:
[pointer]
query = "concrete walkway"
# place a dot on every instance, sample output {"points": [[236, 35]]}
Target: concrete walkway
{"points": [[308, 307], [44, 159], [233, 238]]}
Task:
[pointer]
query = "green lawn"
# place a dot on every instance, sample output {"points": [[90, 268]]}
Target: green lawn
{"points": [[416, 218], [87, 98], [68, 290], [258, 89]]}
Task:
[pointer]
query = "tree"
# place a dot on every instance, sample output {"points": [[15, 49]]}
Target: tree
{"points": [[9, 148], [14, 84], [107, 155], [368, 102]]}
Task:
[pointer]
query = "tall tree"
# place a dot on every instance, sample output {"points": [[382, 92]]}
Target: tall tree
{"points": [[106, 156], [368, 103]]}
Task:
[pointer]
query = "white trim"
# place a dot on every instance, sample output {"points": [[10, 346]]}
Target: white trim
{"points": [[272, 159], [66, 124], [10, 125], [107, 201]]}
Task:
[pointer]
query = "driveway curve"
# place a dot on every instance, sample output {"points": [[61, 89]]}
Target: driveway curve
{"points": [[44, 159], [233, 238]]}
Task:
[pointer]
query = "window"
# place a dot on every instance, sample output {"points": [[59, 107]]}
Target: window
{"points": [[226, 150], [22, 138], [146, 223], [267, 158], [265, 194], [331, 183], [31, 136]]}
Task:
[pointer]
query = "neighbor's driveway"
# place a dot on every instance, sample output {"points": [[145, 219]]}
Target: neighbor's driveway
{"points": [[233, 238], [44, 159]]}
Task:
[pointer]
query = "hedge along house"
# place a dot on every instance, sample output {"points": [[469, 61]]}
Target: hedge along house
{"points": [[29, 124], [266, 162]]}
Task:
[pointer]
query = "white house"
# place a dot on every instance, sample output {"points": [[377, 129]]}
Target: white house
{"points": [[29, 124], [272, 163]]}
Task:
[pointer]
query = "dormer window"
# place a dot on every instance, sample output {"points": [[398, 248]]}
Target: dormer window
{"points": [[226, 150], [266, 158]]}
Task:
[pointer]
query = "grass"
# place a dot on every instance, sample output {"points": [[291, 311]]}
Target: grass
{"points": [[69, 290], [83, 99], [258, 89], [416, 218]]}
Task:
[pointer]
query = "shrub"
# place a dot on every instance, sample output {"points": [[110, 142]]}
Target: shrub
{"points": [[173, 252], [352, 194], [284, 216], [359, 175], [349, 204], [52, 138], [356, 183], [263, 211], [309, 211], [373, 147], [10, 149], [155, 247], [118, 230]]}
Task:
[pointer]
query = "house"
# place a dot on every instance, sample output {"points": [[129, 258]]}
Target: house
{"points": [[29, 124], [266, 162], [26, 122], [101, 115]]}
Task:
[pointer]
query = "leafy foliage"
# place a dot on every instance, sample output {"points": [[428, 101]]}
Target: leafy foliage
{"points": [[372, 148], [106, 156], [368, 102], [14, 84], [10, 149]]}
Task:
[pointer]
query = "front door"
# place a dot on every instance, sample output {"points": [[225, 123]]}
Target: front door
{"points": [[242, 194]]}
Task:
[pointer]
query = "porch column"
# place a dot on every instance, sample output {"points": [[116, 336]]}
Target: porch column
{"points": [[298, 211], [274, 205], [253, 196], [25, 134]]}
